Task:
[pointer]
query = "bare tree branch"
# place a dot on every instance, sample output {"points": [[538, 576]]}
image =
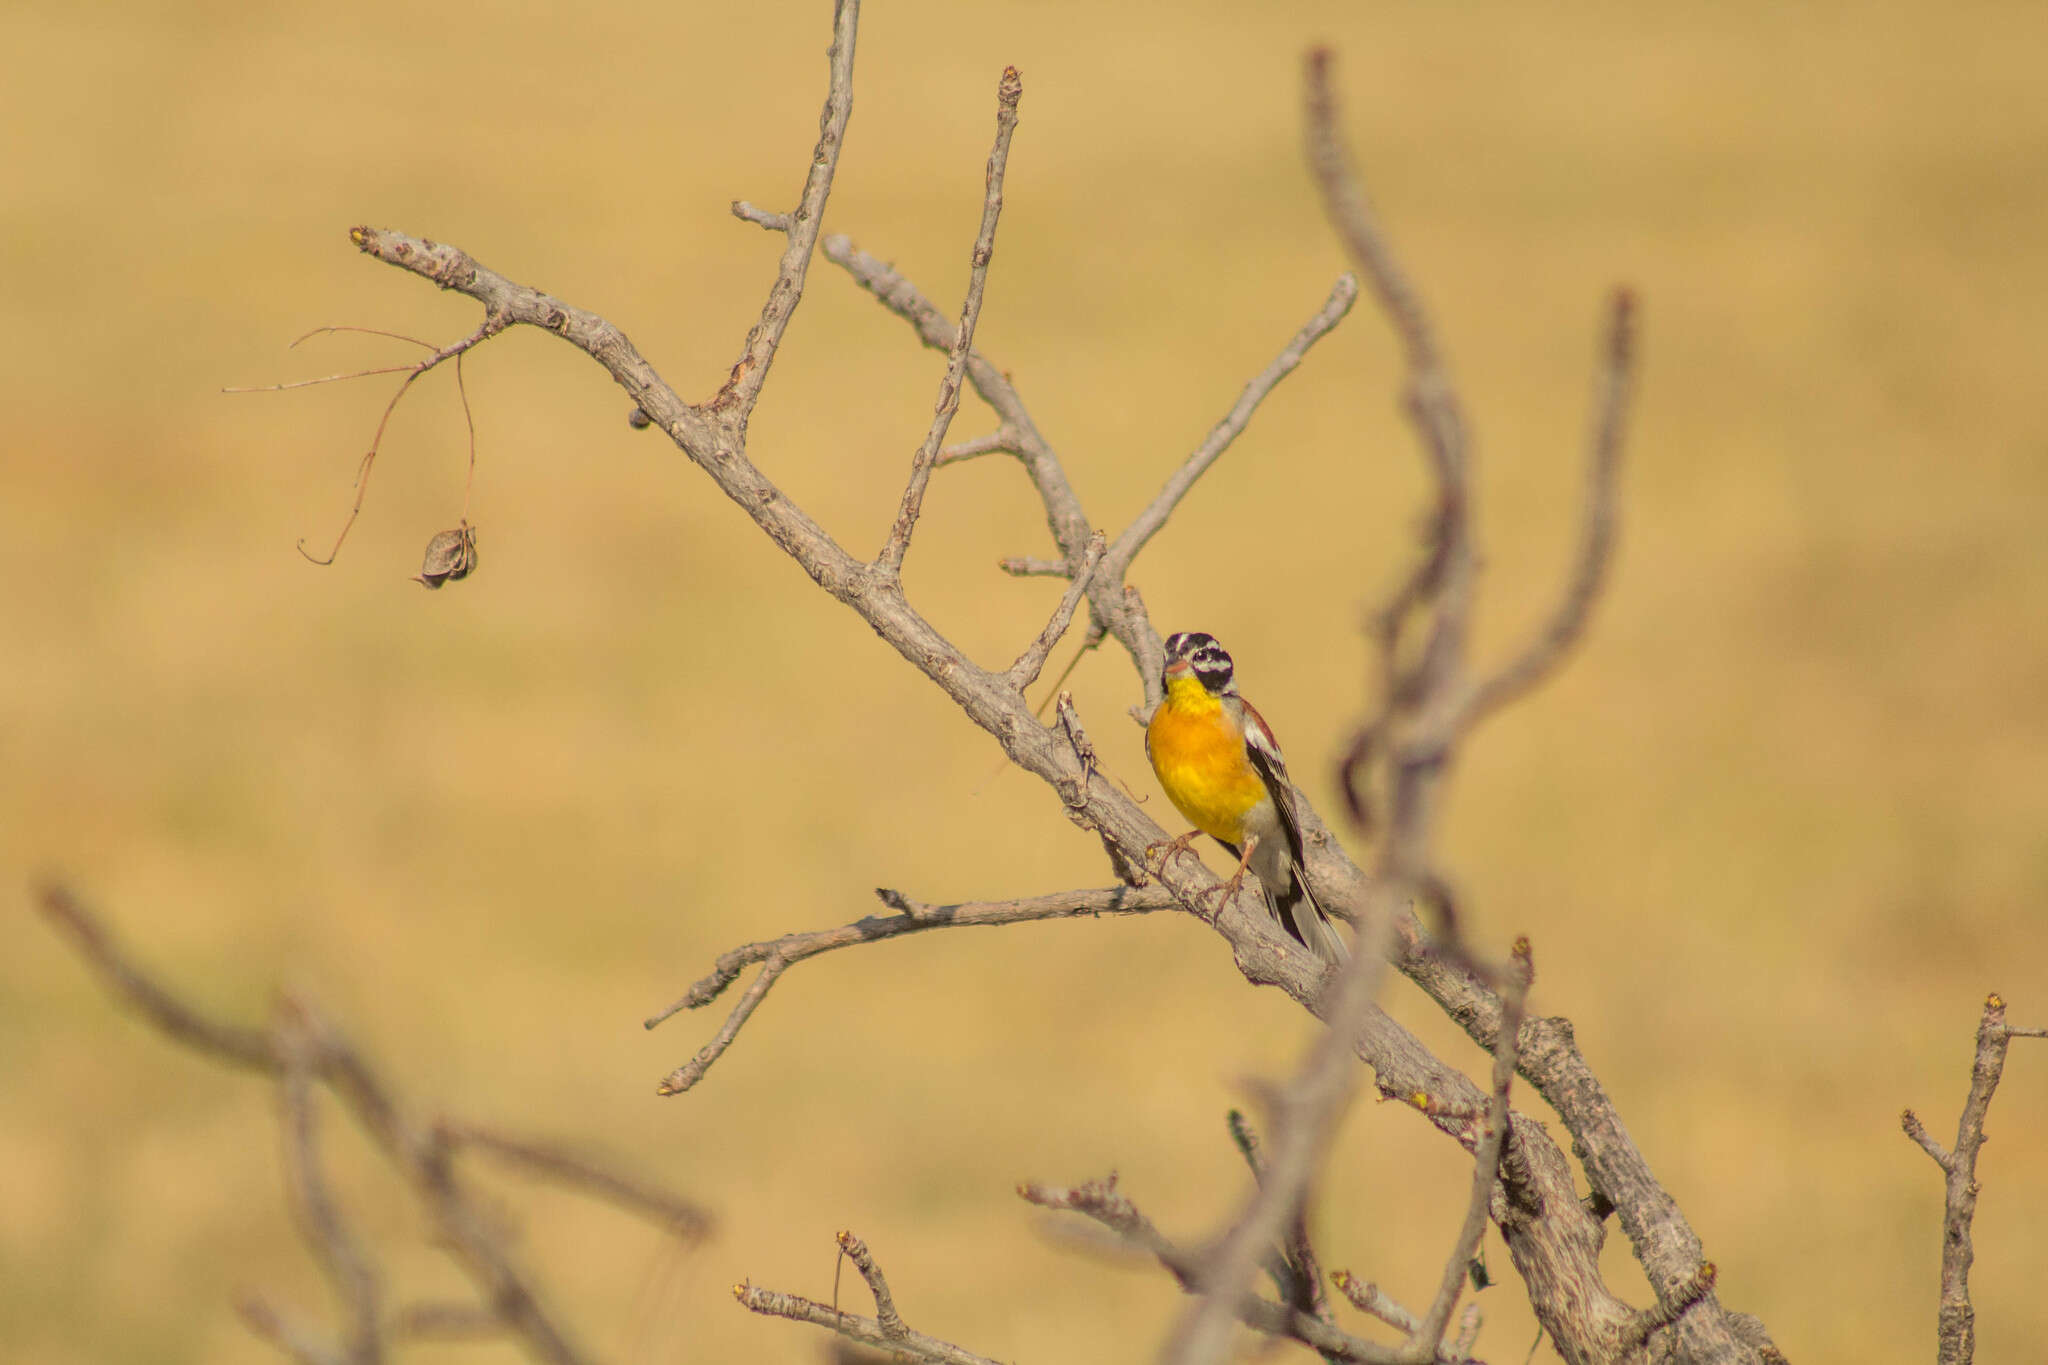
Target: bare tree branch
{"points": [[1554, 1241], [1027, 566], [890, 561], [341, 1257], [777, 956], [300, 1050], [436, 1321], [886, 1316], [1031, 662], [885, 1330], [674, 1215], [735, 402], [1541, 656], [170, 1016], [761, 218], [286, 1332], [1001, 441], [1652, 1320], [1485, 1166], [1305, 1112], [1103, 1202], [1368, 1297], [1149, 522], [1956, 1335]]}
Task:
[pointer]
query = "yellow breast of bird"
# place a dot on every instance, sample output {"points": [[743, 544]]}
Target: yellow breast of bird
{"points": [[1198, 754]]}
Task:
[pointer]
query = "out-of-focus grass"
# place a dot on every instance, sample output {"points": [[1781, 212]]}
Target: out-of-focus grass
{"points": [[1775, 832]]}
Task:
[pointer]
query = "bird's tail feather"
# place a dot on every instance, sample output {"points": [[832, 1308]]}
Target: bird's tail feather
{"points": [[1302, 916]]}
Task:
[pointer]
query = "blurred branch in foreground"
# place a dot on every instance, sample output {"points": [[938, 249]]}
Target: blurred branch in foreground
{"points": [[305, 1054], [1956, 1320]]}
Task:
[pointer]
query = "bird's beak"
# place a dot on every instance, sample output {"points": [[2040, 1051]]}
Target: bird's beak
{"points": [[1178, 668]]}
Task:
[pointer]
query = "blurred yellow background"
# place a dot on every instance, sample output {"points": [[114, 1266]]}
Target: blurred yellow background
{"points": [[1775, 833]]}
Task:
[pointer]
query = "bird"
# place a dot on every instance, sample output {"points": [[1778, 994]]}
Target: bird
{"points": [[1219, 764]]}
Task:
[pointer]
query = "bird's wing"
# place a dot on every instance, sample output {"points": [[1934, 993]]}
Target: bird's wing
{"points": [[1264, 752]]}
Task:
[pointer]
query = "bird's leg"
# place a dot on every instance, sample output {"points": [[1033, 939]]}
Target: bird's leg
{"points": [[1165, 850], [1235, 882]]}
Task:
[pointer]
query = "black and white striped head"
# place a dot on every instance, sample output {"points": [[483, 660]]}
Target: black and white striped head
{"points": [[1191, 651]]}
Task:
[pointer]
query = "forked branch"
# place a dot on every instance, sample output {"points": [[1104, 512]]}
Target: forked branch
{"points": [[885, 1331], [1956, 1322], [1103, 1202], [303, 1053], [778, 955]]}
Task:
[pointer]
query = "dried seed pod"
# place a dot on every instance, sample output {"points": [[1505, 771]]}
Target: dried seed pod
{"points": [[451, 556]]}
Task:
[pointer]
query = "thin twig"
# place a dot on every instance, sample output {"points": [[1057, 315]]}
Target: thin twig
{"points": [[291, 384], [1029, 566], [1956, 1321], [248, 1047], [341, 1256], [1540, 656], [1001, 441], [1149, 522], [1369, 1298], [439, 1321], [1069, 524], [866, 1331], [777, 955], [491, 326], [1302, 1283], [886, 1316], [1009, 90], [671, 1213], [1103, 1202], [1485, 1165], [735, 402], [421, 1156], [1031, 662], [1305, 1112], [1469, 1323], [284, 1331], [747, 213]]}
